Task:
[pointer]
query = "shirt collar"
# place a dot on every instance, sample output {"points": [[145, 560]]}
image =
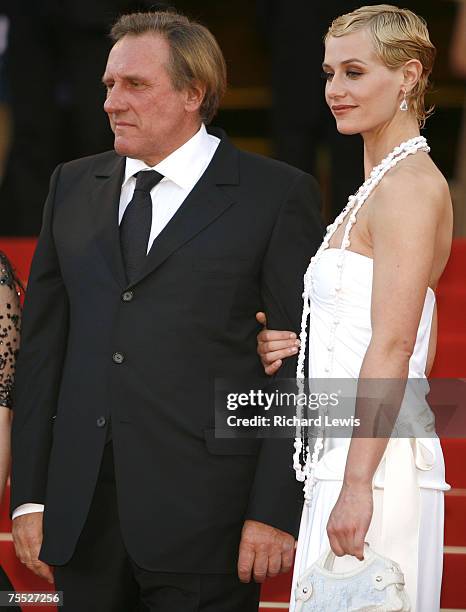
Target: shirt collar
{"points": [[183, 166]]}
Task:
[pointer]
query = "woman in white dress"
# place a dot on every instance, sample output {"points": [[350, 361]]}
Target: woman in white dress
{"points": [[369, 301]]}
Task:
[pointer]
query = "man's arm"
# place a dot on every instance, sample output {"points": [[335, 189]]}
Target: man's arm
{"points": [[276, 498], [38, 369], [296, 237], [38, 372]]}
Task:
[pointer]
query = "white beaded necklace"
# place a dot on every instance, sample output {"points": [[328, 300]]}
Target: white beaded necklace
{"points": [[305, 471]]}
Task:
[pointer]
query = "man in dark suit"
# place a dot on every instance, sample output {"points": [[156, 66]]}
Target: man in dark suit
{"points": [[150, 266]]}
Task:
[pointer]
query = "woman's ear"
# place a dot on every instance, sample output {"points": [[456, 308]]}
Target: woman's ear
{"points": [[412, 72]]}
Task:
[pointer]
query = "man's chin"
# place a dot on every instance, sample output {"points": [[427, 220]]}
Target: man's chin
{"points": [[121, 147]]}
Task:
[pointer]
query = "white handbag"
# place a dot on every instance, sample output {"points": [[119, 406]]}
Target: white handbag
{"points": [[377, 584]]}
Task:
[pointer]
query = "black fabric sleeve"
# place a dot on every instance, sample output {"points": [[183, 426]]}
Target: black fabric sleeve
{"points": [[277, 497], [39, 366]]}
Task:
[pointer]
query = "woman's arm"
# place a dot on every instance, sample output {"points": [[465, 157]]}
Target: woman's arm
{"points": [[10, 319], [403, 225], [5, 430], [273, 346]]}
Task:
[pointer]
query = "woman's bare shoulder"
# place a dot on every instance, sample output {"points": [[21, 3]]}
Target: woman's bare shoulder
{"points": [[415, 186]]}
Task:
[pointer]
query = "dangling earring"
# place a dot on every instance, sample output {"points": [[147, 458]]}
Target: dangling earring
{"points": [[404, 103]]}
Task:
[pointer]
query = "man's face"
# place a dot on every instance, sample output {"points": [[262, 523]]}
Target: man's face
{"points": [[147, 115]]}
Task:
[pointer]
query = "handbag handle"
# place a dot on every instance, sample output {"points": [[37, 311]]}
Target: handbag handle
{"points": [[327, 561]]}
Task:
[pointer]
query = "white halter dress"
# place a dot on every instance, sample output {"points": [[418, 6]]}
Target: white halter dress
{"points": [[407, 524]]}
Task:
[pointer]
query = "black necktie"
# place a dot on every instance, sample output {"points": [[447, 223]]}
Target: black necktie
{"points": [[136, 223]]}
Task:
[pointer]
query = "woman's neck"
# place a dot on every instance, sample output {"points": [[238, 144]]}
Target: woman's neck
{"points": [[378, 143]]}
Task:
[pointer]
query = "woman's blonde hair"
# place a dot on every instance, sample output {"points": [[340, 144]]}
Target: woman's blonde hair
{"points": [[194, 53], [399, 35]]}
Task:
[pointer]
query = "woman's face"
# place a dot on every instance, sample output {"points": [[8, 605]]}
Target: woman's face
{"points": [[362, 93]]}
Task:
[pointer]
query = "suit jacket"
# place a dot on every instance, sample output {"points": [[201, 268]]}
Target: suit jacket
{"points": [[146, 355]]}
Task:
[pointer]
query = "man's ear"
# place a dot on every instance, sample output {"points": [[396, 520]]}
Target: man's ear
{"points": [[194, 97], [412, 72]]}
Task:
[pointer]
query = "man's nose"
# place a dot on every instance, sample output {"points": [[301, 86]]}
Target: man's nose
{"points": [[114, 102]]}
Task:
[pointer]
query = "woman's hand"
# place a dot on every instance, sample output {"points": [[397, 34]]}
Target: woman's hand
{"points": [[350, 519], [274, 346]]}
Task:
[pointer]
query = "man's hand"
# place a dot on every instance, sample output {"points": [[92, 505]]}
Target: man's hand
{"points": [[264, 551], [27, 537]]}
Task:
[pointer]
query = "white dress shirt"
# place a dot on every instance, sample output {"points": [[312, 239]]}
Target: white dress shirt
{"points": [[181, 171]]}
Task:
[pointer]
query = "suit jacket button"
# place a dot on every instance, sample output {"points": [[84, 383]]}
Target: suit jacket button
{"points": [[101, 421], [118, 357], [127, 296]]}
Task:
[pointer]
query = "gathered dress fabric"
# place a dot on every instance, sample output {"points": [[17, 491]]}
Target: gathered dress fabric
{"points": [[408, 518]]}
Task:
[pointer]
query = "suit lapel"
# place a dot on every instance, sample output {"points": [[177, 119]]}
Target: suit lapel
{"points": [[105, 197], [206, 202]]}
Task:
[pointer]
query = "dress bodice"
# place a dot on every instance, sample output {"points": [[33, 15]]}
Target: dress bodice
{"points": [[351, 310], [348, 341]]}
